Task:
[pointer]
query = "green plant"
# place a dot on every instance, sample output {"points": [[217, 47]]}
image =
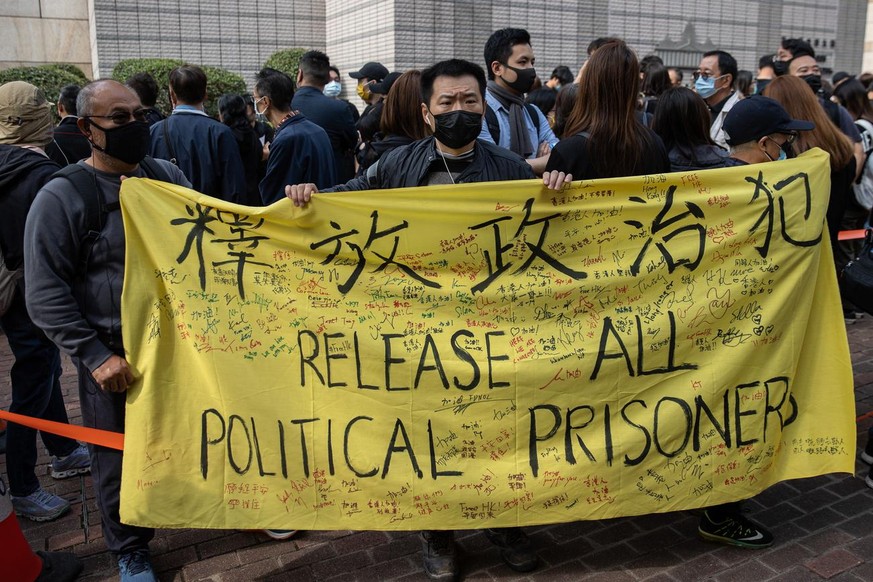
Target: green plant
{"points": [[218, 81], [286, 60], [48, 78]]}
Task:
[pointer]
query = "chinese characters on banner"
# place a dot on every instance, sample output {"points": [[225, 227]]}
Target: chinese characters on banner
{"points": [[484, 354]]}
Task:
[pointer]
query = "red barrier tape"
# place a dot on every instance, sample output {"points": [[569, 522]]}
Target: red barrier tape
{"points": [[95, 436], [851, 234]]}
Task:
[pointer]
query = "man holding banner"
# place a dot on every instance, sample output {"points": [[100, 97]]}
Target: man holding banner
{"points": [[453, 93], [74, 268]]}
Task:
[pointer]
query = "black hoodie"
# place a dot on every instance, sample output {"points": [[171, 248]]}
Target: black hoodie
{"points": [[22, 173]]}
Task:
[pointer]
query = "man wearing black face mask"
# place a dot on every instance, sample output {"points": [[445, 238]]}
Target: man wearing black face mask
{"points": [[804, 65], [73, 285], [509, 61], [453, 106]]}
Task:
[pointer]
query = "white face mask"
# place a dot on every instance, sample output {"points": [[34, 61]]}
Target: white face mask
{"points": [[259, 113], [333, 89]]}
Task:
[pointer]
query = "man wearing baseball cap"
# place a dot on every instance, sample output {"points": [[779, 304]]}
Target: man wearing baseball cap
{"points": [[367, 126], [758, 129]]}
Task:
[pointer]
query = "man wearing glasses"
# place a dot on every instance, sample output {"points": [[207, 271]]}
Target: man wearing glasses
{"points": [[74, 268], [714, 81]]}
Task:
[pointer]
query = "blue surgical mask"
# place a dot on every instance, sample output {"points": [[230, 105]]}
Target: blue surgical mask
{"points": [[705, 86], [333, 89], [782, 155]]}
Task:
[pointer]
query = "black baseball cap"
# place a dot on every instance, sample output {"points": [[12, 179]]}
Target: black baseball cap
{"points": [[756, 116], [383, 86], [372, 71]]}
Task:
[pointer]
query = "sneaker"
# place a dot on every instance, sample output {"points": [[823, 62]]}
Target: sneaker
{"points": [[851, 316], [734, 530], [515, 548], [281, 534], [40, 506], [438, 555], [59, 567], [136, 566], [76, 463], [867, 453]]}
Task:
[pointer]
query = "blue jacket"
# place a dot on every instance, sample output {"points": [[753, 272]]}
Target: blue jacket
{"points": [[205, 151], [334, 117], [300, 153]]}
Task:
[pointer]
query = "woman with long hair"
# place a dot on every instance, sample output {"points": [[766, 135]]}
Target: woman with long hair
{"points": [[232, 113], [682, 122], [604, 137], [801, 103], [794, 95]]}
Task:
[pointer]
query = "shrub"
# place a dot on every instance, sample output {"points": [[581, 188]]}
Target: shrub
{"points": [[49, 78], [287, 61], [218, 81]]}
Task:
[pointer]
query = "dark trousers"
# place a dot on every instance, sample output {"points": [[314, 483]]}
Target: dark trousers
{"points": [[105, 410], [36, 392]]}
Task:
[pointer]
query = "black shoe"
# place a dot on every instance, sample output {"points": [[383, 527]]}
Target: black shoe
{"points": [[515, 548], [734, 530], [438, 555], [59, 567], [867, 453]]}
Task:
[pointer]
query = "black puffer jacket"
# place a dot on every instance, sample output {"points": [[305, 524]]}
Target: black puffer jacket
{"points": [[408, 166], [705, 157], [22, 173]]}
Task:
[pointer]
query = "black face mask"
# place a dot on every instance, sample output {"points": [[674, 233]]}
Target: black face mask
{"points": [[524, 79], [814, 81], [456, 129], [128, 143], [780, 67], [760, 85]]}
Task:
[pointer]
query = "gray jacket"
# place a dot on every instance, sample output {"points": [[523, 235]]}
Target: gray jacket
{"points": [[79, 311]]}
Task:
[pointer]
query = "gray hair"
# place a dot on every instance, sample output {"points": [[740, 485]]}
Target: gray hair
{"points": [[85, 99]]}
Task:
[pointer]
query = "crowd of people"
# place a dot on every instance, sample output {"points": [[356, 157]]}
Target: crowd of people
{"points": [[453, 122]]}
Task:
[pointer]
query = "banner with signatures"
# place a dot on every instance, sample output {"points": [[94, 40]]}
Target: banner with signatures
{"points": [[483, 354]]}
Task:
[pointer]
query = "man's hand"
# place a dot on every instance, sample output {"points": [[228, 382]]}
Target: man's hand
{"points": [[556, 180], [113, 375], [300, 193]]}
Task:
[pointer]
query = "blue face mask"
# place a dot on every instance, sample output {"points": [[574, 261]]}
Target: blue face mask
{"points": [[705, 87], [333, 89]]}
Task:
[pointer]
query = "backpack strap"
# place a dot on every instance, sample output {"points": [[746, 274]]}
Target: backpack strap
{"points": [[169, 143], [533, 112], [492, 124], [154, 170]]}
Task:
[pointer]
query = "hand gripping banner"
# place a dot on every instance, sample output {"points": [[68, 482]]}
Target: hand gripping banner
{"points": [[482, 355]]}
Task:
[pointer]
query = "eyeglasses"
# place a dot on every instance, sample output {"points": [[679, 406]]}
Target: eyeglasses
{"points": [[705, 76], [792, 137], [121, 117]]}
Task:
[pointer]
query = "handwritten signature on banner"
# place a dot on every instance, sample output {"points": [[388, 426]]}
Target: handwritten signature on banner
{"points": [[435, 357]]}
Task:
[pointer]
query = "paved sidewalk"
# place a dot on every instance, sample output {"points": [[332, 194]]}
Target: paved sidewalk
{"points": [[823, 528]]}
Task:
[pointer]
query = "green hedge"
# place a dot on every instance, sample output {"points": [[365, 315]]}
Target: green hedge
{"points": [[49, 78], [218, 81], [287, 61]]}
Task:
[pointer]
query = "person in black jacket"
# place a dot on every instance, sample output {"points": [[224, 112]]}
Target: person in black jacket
{"points": [[26, 128], [232, 113], [69, 145], [401, 122], [682, 123], [453, 92], [330, 114]]}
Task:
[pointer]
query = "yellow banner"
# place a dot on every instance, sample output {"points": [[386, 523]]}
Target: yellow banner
{"points": [[484, 354]]}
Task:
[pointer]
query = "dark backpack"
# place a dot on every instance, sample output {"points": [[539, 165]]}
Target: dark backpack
{"points": [[494, 127], [95, 210]]}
